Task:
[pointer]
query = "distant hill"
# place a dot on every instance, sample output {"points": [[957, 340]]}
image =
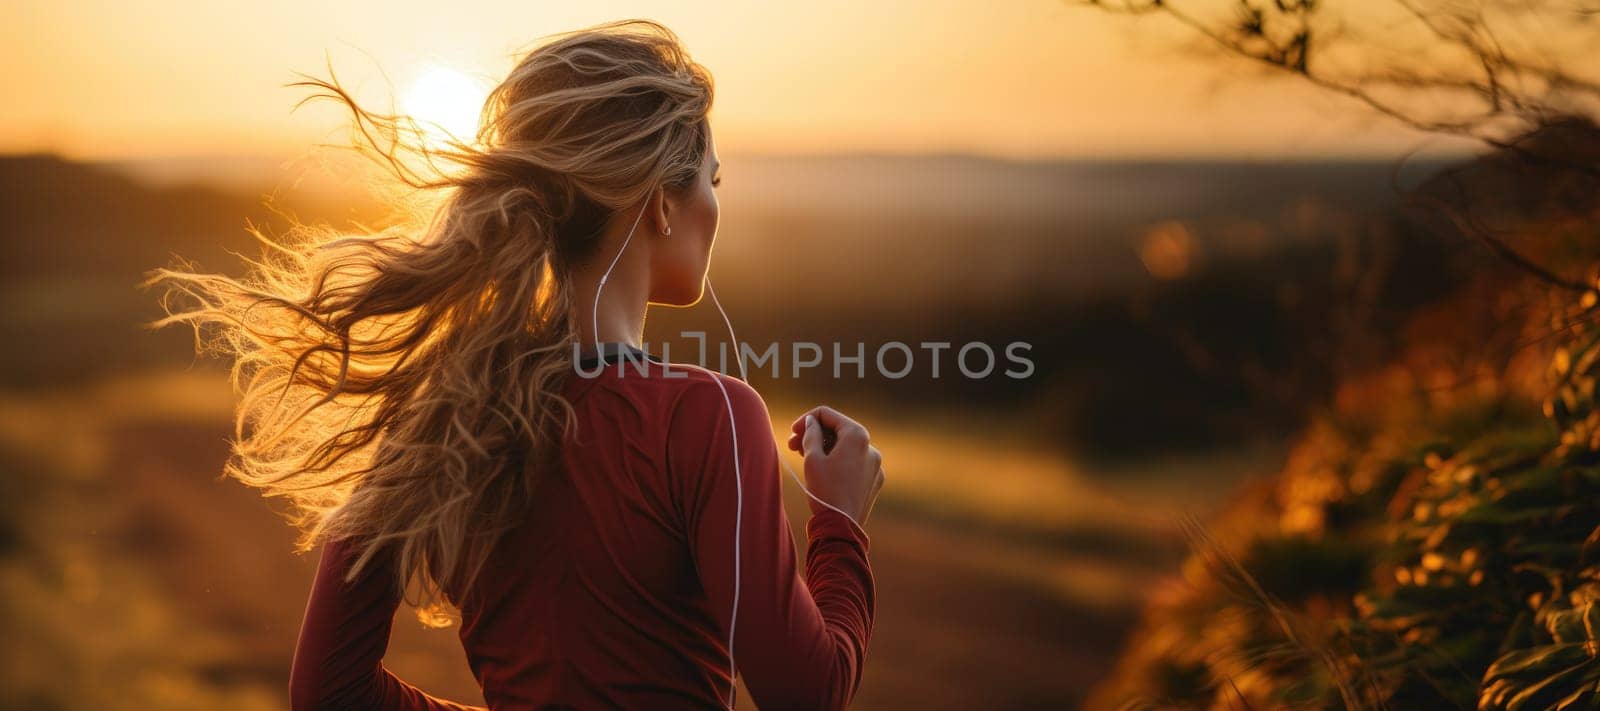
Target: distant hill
{"points": [[76, 240]]}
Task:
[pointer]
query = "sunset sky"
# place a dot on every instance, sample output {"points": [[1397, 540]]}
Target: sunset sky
{"points": [[1020, 78]]}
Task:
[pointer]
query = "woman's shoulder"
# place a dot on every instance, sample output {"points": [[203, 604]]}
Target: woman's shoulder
{"points": [[704, 391], [673, 387], [710, 412]]}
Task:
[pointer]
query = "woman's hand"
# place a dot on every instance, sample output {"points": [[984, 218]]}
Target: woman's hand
{"points": [[842, 467]]}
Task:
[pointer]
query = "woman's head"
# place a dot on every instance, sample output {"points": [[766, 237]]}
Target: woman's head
{"points": [[689, 214], [400, 385], [601, 121]]}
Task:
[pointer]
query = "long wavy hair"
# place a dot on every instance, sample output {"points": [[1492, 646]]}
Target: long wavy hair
{"points": [[401, 386]]}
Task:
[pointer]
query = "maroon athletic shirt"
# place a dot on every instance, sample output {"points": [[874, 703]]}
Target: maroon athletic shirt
{"points": [[616, 592]]}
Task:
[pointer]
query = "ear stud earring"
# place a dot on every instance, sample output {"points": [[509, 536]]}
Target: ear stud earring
{"points": [[667, 231]]}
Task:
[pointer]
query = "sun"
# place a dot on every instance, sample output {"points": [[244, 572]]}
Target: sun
{"points": [[445, 102]]}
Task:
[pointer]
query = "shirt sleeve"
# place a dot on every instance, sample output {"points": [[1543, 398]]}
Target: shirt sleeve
{"points": [[338, 660], [800, 643]]}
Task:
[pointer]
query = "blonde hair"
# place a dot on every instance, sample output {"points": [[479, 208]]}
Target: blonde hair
{"points": [[401, 387]]}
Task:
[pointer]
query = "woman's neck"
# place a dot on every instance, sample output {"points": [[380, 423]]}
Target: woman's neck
{"points": [[613, 310], [620, 315], [623, 323]]}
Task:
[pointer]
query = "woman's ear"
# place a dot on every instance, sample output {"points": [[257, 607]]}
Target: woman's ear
{"points": [[661, 206]]}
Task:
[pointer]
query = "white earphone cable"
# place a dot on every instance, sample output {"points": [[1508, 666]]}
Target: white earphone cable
{"points": [[738, 525], [594, 320], [738, 477], [739, 358]]}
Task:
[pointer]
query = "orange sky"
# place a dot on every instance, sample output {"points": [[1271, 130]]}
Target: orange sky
{"points": [[1018, 78]]}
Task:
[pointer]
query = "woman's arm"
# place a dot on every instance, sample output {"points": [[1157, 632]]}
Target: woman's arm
{"points": [[338, 661], [800, 643]]}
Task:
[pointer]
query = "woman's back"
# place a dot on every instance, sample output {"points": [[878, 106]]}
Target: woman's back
{"points": [[617, 589], [393, 372]]}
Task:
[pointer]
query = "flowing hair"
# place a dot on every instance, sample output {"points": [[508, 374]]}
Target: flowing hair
{"points": [[401, 386]]}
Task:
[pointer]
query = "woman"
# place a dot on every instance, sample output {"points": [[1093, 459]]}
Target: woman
{"points": [[609, 540]]}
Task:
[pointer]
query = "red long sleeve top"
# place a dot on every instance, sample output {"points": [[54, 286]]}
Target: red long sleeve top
{"points": [[616, 591]]}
